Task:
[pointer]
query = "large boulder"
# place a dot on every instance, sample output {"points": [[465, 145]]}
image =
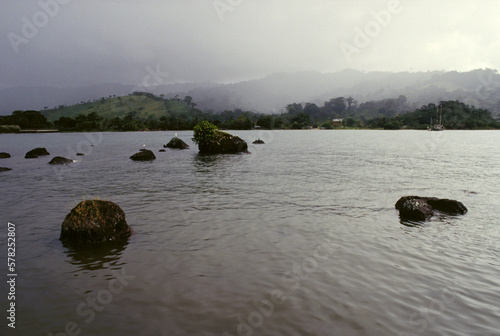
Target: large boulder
{"points": [[34, 153], [94, 221], [59, 160], [2, 169], [211, 140], [176, 143], [4, 155], [422, 208], [143, 155], [226, 144]]}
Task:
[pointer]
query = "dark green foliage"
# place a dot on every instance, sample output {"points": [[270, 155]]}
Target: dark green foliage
{"points": [[211, 140], [455, 115], [26, 120]]}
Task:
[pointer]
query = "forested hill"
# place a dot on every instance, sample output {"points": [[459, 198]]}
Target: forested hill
{"points": [[137, 105], [480, 88], [145, 111]]}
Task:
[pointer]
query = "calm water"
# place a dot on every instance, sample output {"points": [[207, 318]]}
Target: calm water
{"points": [[299, 238]]}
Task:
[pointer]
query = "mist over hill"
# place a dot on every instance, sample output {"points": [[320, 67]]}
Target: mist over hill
{"points": [[480, 88]]}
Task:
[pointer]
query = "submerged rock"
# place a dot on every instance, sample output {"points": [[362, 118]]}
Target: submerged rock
{"points": [[59, 160], [4, 155], [422, 208], [80, 154], [94, 221], [259, 142], [2, 169], [143, 155], [34, 153], [176, 143], [162, 150]]}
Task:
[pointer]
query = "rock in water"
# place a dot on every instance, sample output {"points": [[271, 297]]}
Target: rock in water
{"points": [[258, 142], [4, 155], [422, 208], [34, 153], [59, 160], [227, 144], [414, 208], [176, 143], [143, 155], [80, 154], [211, 140], [94, 221], [2, 169], [446, 205]]}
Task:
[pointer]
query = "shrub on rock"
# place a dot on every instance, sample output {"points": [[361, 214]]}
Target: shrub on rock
{"points": [[211, 140], [94, 221]]}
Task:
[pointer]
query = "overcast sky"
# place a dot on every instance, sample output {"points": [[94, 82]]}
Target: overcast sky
{"points": [[80, 42]]}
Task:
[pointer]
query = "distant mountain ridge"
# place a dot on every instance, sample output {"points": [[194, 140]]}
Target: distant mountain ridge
{"points": [[480, 88]]}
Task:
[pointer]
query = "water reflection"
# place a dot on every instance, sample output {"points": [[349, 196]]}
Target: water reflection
{"points": [[96, 257], [203, 161]]}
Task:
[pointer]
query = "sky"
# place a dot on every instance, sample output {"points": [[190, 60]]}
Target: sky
{"points": [[85, 42]]}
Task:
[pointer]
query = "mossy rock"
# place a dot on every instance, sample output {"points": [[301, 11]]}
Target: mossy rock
{"points": [[211, 140], [94, 221]]}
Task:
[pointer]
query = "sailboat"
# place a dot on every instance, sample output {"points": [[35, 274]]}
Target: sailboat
{"points": [[437, 127]]}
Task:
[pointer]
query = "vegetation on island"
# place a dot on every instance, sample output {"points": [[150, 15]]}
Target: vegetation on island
{"points": [[141, 111]]}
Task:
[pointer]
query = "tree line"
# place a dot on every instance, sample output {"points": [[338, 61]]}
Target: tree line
{"points": [[339, 112]]}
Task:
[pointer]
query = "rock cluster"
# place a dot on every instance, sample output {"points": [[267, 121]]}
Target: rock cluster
{"points": [[422, 208]]}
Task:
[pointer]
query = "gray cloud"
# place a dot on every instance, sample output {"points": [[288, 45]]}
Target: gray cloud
{"points": [[91, 41]]}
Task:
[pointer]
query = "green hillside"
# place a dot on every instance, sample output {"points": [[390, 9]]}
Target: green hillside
{"points": [[141, 106]]}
